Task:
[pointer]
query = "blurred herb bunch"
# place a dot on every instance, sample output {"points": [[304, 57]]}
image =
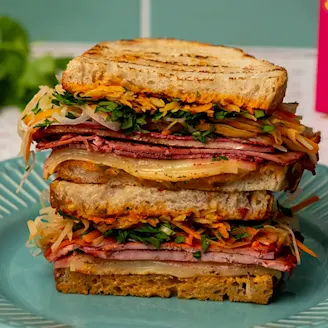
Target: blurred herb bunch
{"points": [[20, 74]]}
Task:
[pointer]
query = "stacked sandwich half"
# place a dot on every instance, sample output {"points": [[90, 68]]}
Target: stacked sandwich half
{"points": [[166, 154]]}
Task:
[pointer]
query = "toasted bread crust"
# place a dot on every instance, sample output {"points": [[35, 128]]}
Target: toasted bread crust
{"points": [[253, 289], [191, 71], [84, 200]]}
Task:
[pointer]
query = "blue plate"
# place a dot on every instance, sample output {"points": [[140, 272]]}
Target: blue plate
{"points": [[28, 297]]}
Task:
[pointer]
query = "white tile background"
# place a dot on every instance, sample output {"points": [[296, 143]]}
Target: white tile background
{"points": [[300, 63]]}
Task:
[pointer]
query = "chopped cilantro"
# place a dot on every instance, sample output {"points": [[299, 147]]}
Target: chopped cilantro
{"points": [[154, 241], [127, 123], [157, 116], [197, 94], [142, 120], [285, 210], [70, 115], [67, 216], [201, 136], [267, 128], [258, 226], [197, 255], [68, 99], [78, 226], [44, 124], [36, 109], [241, 235], [122, 236], [84, 233], [218, 158], [55, 102], [108, 233], [205, 243], [147, 228], [179, 239], [220, 115], [107, 106], [259, 113]]}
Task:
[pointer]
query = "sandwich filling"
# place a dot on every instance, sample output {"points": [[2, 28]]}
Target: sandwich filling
{"points": [[165, 129]]}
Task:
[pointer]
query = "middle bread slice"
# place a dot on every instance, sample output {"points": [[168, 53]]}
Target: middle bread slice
{"points": [[85, 200]]}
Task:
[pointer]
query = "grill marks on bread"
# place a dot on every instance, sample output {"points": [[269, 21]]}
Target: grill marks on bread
{"points": [[191, 71]]}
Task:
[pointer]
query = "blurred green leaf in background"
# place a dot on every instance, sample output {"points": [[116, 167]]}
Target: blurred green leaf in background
{"points": [[20, 74]]}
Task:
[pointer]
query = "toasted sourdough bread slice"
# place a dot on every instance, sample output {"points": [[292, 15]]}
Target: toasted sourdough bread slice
{"points": [[253, 289], [269, 176], [191, 71], [84, 200]]}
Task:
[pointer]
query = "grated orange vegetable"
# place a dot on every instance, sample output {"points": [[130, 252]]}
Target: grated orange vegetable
{"points": [[305, 249], [91, 236], [305, 203]]}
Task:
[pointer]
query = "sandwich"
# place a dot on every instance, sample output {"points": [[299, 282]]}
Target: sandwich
{"points": [[166, 156]]}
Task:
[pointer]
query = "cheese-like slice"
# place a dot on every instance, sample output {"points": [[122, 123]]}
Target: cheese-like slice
{"points": [[151, 169], [88, 264]]}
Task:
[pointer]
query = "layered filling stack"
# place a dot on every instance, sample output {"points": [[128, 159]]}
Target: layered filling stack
{"points": [[156, 196]]}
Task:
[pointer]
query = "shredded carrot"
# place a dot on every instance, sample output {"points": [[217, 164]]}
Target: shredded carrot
{"points": [[40, 116], [153, 222], [98, 219], [188, 240], [305, 249], [187, 229], [305, 203], [166, 132], [255, 244], [223, 230], [91, 236], [251, 231]]}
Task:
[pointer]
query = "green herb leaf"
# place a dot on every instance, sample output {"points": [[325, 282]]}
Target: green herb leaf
{"points": [[147, 228], [107, 106], [241, 235], [259, 113], [197, 94], [285, 210], [267, 128], [55, 102], [218, 158], [84, 233], [122, 236], [220, 115], [108, 233], [27, 168], [179, 239], [258, 226], [176, 99], [70, 116], [142, 120], [44, 124], [69, 99], [201, 136], [205, 243], [67, 216], [155, 242], [37, 109], [127, 123], [78, 226], [197, 255]]}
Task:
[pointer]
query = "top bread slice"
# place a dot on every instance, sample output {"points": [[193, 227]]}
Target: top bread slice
{"points": [[191, 71]]}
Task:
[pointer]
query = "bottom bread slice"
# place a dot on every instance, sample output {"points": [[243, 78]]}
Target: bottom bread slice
{"points": [[253, 289]]}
